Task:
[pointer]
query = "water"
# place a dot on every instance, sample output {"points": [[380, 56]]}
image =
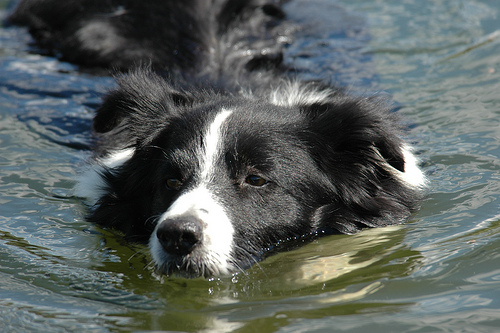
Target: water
{"points": [[439, 60]]}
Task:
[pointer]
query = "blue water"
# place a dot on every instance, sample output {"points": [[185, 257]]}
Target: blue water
{"points": [[438, 60]]}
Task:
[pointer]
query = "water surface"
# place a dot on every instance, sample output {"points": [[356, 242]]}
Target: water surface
{"points": [[438, 60]]}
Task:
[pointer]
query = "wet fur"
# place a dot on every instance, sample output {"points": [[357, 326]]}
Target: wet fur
{"points": [[215, 109]]}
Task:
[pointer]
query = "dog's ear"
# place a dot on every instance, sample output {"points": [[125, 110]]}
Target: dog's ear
{"points": [[140, 98], [357, 127], [356, 144]]}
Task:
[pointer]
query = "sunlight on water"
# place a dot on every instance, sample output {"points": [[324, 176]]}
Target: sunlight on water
{"points": [[439, 60]]}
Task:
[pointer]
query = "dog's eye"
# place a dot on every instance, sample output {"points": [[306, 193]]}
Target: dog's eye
{"points": [[173, 184], [255, 180]]}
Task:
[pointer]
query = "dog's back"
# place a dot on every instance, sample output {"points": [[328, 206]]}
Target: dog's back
{"points": [[193, 38]]}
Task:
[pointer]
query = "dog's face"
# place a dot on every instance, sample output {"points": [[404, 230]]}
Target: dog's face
{"points": [[229, 182], [218, 182]]}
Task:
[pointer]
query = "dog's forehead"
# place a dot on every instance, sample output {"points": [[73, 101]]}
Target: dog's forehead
{"points": [[242, 132], [262, 140]]}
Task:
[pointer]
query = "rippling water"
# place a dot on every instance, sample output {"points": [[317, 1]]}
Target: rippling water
{"points": [[439, 60]]}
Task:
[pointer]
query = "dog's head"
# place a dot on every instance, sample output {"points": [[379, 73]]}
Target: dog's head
{"points": [[218, 181]]}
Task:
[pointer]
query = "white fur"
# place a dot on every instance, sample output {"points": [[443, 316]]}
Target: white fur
{"points": [[218, 231], [212, 141], [413, 175], [292, 93], [90, 183], [98, 35]]}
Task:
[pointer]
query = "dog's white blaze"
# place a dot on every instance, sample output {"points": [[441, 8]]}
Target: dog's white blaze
{"points": [[217, 228], [199, 202], [212, 142], [90, 183]]}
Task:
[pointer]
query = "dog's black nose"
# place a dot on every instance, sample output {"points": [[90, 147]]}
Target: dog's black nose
{"points": [[179, 235]]}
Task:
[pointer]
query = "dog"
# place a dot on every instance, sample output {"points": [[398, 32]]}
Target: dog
{"points": [[209, 148]]}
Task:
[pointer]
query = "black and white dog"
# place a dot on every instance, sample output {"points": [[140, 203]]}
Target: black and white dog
{"points": [[211, 151]]}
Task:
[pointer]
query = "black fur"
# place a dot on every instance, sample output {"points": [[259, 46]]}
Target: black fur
{"points": [[331, 162], [192, 38]]}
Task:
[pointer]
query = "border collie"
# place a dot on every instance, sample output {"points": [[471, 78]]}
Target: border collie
{"points": [[212, 151]]}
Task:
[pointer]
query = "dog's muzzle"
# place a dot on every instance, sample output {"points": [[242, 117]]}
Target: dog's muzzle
{"points": [[180, 235]]}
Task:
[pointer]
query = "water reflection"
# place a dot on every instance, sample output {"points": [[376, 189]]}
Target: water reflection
{"points": [[439, 59], [323, 277]]}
